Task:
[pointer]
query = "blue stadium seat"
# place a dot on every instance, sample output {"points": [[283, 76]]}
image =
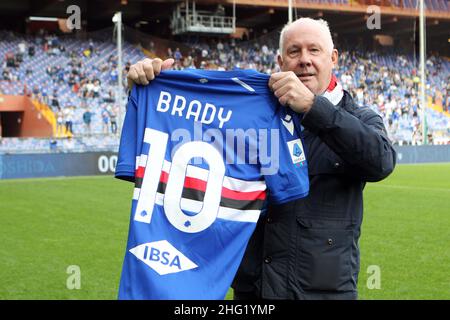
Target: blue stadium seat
{"points": [[407, 4], [429, 5]]}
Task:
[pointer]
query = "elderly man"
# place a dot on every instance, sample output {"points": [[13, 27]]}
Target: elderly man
{"points": [[308, 248]]}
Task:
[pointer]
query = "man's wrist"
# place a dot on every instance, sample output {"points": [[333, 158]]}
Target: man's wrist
{"points": [[320, 114], [310, 104]]}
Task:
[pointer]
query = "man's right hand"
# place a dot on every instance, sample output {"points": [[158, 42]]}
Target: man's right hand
{"points": [[145, 70]]}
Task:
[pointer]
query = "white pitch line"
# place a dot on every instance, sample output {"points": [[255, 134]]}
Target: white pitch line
{"points": [[408, 187]]}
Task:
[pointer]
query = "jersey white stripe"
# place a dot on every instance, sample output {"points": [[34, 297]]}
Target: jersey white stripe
{"points": [[137, 163], [228, 182], [136, 193], [243, 186], [224, 213], [143, 160], [238, 215]]}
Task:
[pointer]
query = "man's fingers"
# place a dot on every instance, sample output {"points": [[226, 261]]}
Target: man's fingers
{"points": [[132, 74], [130, 83], [285, 81], [277, 76], [156, 65], [284, 99], [149, 71], [142, 78], [280, 78], [282, 91], [145, 70], [167, 64], [159, 65]]}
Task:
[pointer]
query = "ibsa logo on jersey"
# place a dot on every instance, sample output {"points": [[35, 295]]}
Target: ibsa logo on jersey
{"points": [[296, 151], [162, 257]]}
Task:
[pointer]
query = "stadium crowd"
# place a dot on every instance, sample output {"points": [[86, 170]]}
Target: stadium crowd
{"points": [[77, 80]]}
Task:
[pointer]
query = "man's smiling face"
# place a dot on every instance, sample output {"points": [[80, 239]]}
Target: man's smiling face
{"points": [[307, 52]]}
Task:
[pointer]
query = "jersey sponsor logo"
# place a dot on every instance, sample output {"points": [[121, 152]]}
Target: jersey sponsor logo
{"points": [[297, 152], [162, 257]]}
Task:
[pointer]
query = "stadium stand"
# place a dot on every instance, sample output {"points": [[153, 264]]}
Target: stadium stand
{"points": [[76, 79], [64, 73]]}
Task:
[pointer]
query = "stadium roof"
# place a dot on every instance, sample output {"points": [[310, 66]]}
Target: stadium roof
{"points": [[152, 16]]}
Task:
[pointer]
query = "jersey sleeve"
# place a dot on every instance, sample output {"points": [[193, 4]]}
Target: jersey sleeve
{"points": [[126, 161], [286, 174]]}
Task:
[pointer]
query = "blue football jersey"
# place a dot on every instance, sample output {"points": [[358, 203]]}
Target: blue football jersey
{"points": [[206, 150]]}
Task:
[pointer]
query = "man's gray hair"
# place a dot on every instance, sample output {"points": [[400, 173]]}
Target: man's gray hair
{"points": [[320, 23]]}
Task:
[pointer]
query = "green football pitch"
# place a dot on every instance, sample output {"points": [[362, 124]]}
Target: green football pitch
{"points": [[48, 225]]}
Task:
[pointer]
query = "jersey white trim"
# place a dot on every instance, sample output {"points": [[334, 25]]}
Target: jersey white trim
{"points": [[242, 83]]}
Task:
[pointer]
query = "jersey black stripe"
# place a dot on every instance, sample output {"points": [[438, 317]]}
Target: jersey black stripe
{"points": [[138, 182], [194, 194]]}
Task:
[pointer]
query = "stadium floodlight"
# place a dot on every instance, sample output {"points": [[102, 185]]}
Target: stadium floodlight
{"points": [[33, 18], [422, 44], [117, 19]]}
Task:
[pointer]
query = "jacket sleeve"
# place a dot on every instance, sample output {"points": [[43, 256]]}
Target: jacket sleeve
{"points": [[357, 135]]}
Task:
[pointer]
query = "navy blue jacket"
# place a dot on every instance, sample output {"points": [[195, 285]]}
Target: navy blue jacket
{"points": [[308, 248]]}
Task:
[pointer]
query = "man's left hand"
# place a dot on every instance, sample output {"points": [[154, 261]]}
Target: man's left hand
{"points": [[291, 92]]}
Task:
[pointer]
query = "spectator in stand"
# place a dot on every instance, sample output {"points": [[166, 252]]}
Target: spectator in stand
{"points": [[113, 119], [188, 63], [87, 53], [108, 96], [105, 120], [22, 50], [177, 55], [113, 76], [87, 117], [220, 46], [10, 60], [91, 45], [54, 102], [60, 74], [96, 89], [71, 80], [35, 92], [68, 116], [89, 89], [6, 74], [31, 51], [60, 123]]}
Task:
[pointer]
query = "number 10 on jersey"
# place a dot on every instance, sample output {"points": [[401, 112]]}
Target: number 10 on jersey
{"points": [[158, 141]]}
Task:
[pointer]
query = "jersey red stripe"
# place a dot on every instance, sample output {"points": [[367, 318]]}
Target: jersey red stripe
{"points": [[139, 173], [198, 184]]}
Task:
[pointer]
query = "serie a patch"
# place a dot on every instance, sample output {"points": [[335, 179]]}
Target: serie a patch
{"points": [[296, 151]]}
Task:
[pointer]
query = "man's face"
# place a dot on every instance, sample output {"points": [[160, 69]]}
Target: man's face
{"points": [[305, 53]]}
